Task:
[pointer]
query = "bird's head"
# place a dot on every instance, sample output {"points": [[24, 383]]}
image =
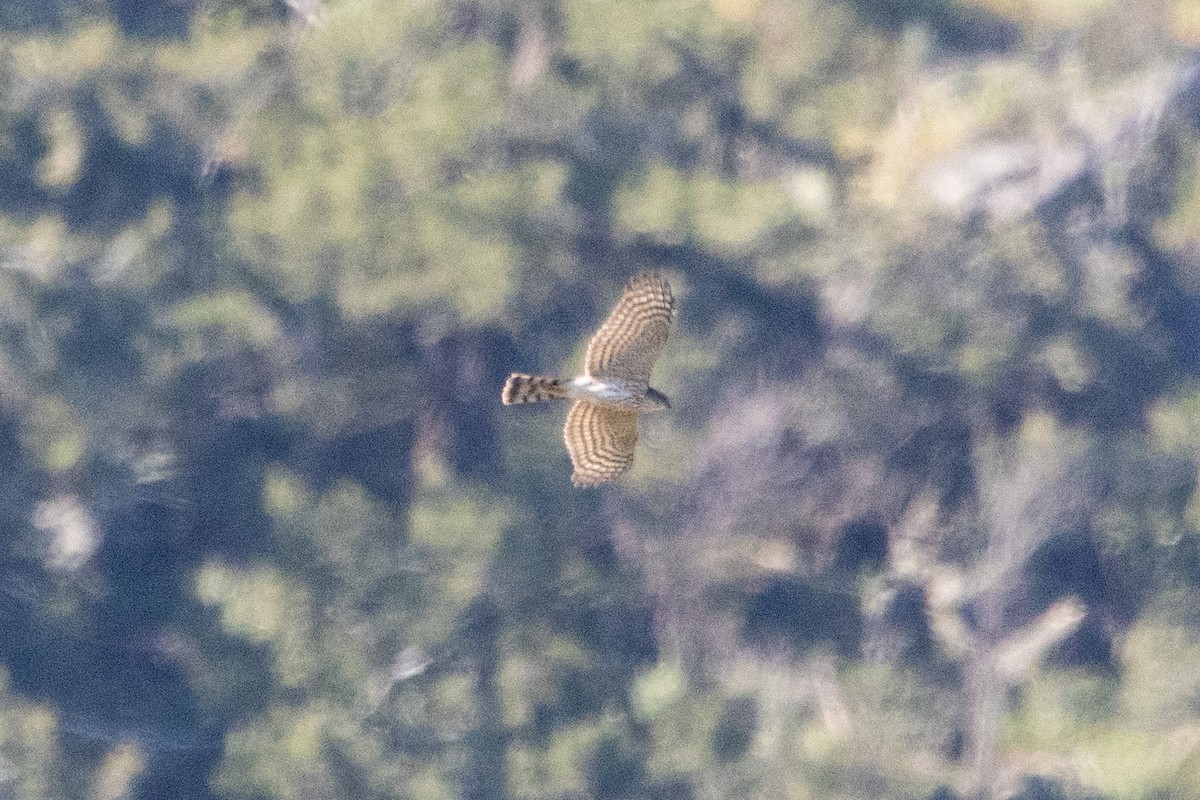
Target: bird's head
{"points": [[657, 401]]}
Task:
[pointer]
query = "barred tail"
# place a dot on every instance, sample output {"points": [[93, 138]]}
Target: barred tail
{"points": [[531, 389]]}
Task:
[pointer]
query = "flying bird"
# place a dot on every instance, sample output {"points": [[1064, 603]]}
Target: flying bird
{"points": [[602, 423]]}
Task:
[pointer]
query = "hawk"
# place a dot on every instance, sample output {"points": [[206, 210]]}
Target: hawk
{"points": [[601, 428]]}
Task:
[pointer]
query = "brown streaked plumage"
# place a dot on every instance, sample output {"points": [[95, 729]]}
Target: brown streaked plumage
{"points": [[600, 440], [601, 427], [531, 389]]}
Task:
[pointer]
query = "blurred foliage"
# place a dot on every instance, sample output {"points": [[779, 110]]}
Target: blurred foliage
{"points": [[924, 521]]}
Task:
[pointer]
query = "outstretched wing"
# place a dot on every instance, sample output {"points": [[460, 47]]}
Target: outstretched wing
{"points": [[600, 440], [631, 339]]}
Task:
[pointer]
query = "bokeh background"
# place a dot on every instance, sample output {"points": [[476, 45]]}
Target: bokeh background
{"points": [[923, 523]]}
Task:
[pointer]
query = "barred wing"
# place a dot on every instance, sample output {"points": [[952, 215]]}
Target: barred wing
{"points": [[600, 440], [631, 339]]}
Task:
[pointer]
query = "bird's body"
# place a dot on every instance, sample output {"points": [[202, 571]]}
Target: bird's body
{"points": [[601, 428], [611, 392]]}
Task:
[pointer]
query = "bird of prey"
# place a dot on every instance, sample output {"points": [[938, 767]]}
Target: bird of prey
{"points": [[601, 428]]}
